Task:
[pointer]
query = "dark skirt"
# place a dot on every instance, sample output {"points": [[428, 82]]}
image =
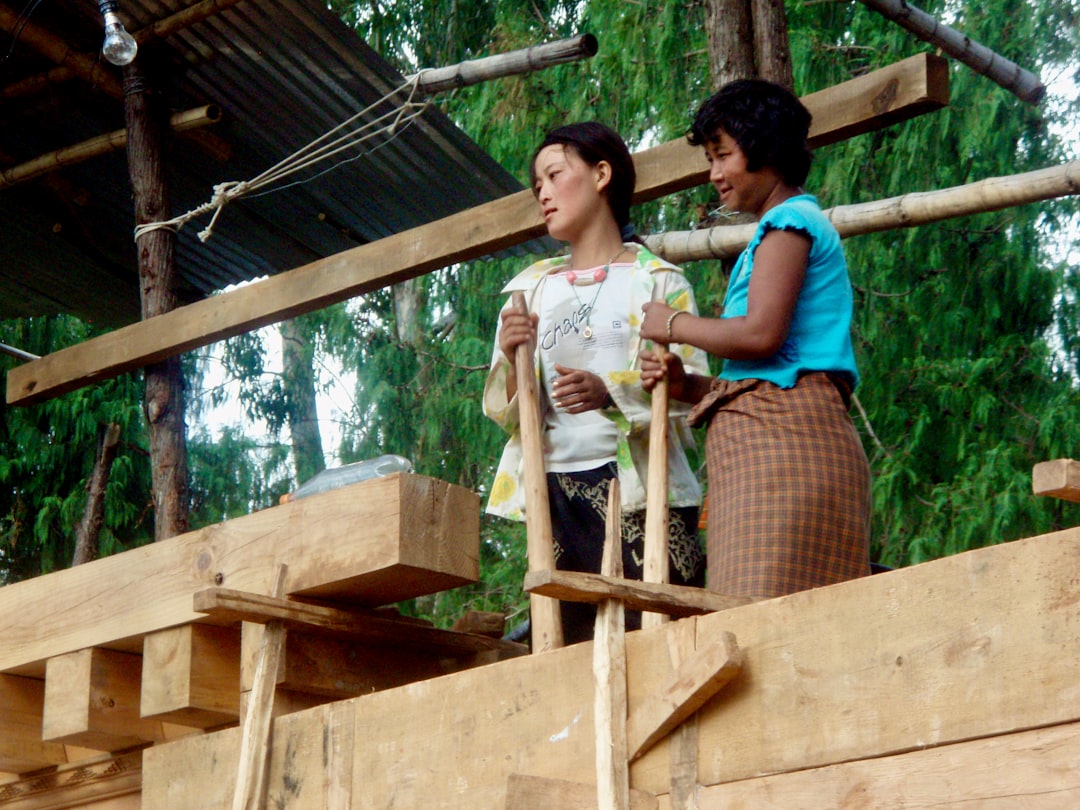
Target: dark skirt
{"points": [[788, 487], [578, 515]]}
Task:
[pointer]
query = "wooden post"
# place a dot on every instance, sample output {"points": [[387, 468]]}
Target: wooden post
{"points": [[544, 611], [609, 672], [655, 567], [164, 399], [255, 740]]}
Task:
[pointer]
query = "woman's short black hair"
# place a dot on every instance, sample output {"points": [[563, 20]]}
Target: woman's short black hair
{"points": [[594, 142], [768, 122]]}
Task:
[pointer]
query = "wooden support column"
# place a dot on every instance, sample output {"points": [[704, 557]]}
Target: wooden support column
{"points": [[92, 700], [191, 675], [164, 400], [21, 746]]}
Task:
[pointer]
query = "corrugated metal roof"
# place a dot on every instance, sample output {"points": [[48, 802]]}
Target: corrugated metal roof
{"points": [[283, 72]]}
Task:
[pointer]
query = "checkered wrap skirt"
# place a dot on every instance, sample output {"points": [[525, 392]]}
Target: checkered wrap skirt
{"points": [[788, 487]]}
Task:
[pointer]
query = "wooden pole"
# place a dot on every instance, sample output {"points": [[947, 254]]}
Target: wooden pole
{"points": [[1023, 84], [145, 118], [525, 60], [906, 211], [543, 610], [102, 144], [655, 567], [255, 739], [609, 673]]}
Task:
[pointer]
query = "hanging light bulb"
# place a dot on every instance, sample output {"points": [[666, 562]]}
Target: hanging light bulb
{"points": [[120, 46]]}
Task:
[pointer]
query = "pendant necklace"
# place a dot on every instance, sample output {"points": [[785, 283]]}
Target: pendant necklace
{"points": [[600, 276]]}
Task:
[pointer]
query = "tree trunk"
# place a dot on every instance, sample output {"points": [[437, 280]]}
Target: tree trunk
{"points": [[297, 355], [772, 49], [164, 402], [729, 24], [86, 537]]}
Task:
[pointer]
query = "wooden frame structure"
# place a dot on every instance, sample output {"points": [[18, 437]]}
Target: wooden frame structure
{"points": [[879, 692]]}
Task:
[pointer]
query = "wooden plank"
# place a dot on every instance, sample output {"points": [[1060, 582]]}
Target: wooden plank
{"points": [[609, 672], [191, 675], [682, 742], [524, 792], [375, 542], [1034, 770], [229, 605], [22, 703], [1057, 479], [696, 677], [909, 88], [679, 601], [92, 700], [923, 656]]}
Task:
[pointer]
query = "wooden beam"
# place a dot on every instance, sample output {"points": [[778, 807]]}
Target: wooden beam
{"points": [[524, 792], [234, 606], [92, 700], [102, 782], [697, 678], [906, 89], [678, 601], [21, 707], [372, 543], [976, 645], [1057, 479], [191, 675]]}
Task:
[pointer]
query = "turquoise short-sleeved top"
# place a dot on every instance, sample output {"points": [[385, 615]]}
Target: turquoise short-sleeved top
{"points": [[819, 338]]}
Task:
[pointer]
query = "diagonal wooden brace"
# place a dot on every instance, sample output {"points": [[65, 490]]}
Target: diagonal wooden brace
{"points": [[696, 680]]}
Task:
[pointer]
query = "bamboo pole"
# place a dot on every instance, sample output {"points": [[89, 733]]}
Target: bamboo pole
{"points": [[906, 211], [543, 610], [609, 673], [1021, 83], [655, 564], [525, 60], [102, 144]]}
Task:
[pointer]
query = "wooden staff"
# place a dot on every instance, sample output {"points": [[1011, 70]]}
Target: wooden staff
{"points": [[655, 568], [543, 610]]}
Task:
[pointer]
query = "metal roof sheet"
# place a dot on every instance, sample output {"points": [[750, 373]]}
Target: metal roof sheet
{"points": [[283, 72]]}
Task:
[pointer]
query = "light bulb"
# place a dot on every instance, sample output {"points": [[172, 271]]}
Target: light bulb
{"points": [[120, 46]]}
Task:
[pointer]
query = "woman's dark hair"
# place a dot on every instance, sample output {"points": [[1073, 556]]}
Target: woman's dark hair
{"points": [[767, 121], [594, 142]]}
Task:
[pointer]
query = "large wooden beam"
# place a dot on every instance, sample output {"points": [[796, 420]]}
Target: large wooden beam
{"points": [[977, 645], [21, 747], [906, 89], [191, 675], [368, 544]]}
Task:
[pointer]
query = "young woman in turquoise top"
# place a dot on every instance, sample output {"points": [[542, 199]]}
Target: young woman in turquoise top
{"points": [[789, 483]]}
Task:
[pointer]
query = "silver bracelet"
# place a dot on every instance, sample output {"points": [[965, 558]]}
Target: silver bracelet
{"points": [[670, 318]]}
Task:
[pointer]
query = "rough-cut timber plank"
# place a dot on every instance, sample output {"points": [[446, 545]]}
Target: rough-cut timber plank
{"points": [[229, 605], [979, 644], [540, 793], [1057, 479], [376, 542], [92, 700], [21, 746], [1034, 770], [191, 675], [909, 88], [678, 601]]}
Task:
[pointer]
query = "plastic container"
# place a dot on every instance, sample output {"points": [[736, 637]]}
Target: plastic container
{"points": [[352, 473]]}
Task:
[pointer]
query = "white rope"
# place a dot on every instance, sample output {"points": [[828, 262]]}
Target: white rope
{"points": [[326, 146]]}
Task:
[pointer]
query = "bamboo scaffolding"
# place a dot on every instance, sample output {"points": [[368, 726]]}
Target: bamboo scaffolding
{"points": [[102, 144], [906, 211], [1021, 83], [525, 60]]}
